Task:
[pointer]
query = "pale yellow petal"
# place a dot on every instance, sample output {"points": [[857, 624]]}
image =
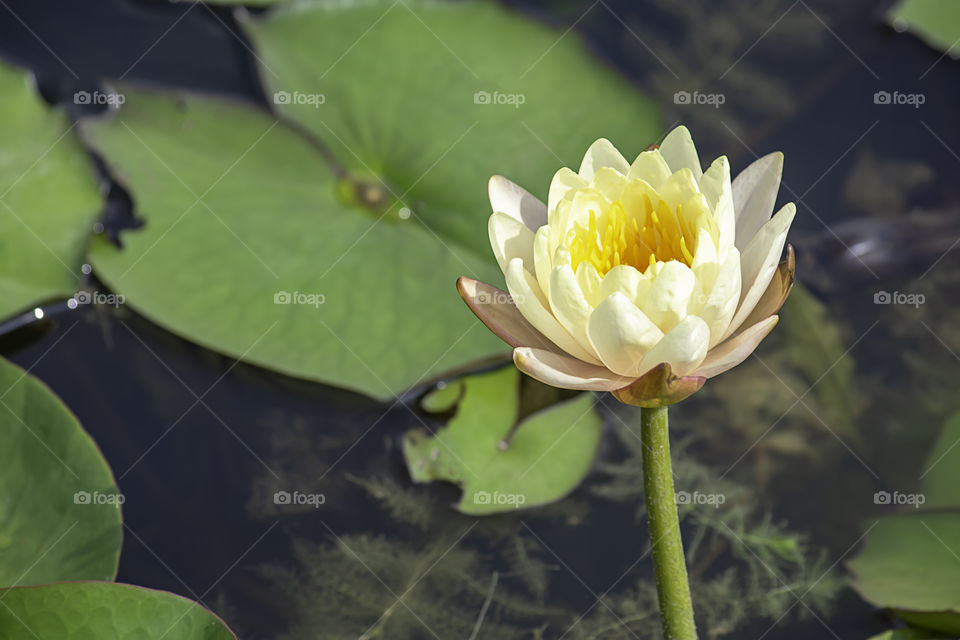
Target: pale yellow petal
{"points": [[758, 262], [679, 152], [735, 350], [669, 296], [496, 310], [569, 305], [684, 347], [754, 194], [510, 238], [621, 334], [651, 168], [565, 372], [533, 305], [515, 201], [602, 153]]}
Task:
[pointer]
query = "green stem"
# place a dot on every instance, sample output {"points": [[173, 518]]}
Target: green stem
{"points": [[669, 565]]}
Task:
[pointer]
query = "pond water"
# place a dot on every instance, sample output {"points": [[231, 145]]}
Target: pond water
{"points": [[199, 443]]}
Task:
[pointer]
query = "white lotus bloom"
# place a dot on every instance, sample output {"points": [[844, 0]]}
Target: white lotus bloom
{"points": [[643, 279]]}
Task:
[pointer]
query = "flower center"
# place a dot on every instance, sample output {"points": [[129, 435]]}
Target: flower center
{"points": [[639, 235]]}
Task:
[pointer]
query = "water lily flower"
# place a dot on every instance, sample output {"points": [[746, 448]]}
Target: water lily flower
{"points": [[643, 279]]}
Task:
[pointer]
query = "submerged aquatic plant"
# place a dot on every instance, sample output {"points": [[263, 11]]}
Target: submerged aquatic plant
{"points": [[644, 280]]}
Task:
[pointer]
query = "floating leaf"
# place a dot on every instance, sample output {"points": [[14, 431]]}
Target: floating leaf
{"points": [[87, 610], [271, 266], [59, 506], [941, 472], [907, 634], [909, 563], [418, 93], [48, 198], [548, 455], [238, 212], [936, 22]]}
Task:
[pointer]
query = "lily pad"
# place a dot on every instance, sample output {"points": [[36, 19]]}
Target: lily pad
{"points": [[936, 22], [420, 94], [382, 243], [93, 610], [59, 505], [48, 198], [909, 562], [272, 266], [548, 455]]}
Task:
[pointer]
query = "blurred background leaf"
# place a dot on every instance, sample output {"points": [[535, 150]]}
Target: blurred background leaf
{"points": [[48, 198]]}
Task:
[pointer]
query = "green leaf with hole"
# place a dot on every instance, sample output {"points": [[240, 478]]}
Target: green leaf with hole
{"points": [[98, 610], [936, 22], [909, 562], [59, 505], [548, 455], [248, 250], [239, 210], [48, 198]]}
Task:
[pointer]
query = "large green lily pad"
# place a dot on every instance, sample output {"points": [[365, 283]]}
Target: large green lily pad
{"points": [[272, 266], [936, 22], [435, 97], [397, 107], [548, 455], [59, 505], [910, 562], [48, 198], [101, 610]]}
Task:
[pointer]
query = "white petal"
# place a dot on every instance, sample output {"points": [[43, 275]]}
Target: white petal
{"points": [[496, 310], [669, 296], [624, 279], [754, 194], [651, 168], [565, 372], [510, 238], [569, 305], [602, 153], [679, 188], [723, 298], [679, 152], [758, 262], [621, 334], [735, 350], [529, 299], [563, 181], [515, 201], [684, 347], [543, 263], [589, 280], [609, 182], [715, 185]]}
